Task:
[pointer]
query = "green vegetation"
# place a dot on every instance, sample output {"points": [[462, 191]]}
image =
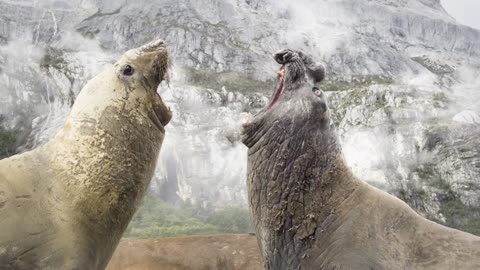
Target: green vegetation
{"points": [[8, 141], [456, 213], [461, 216], [244, 83], [53, 58], [347, 100], [232, 220], [442, 97], [440, 100], [156, 218], [232, 80], [431, 179], [336, 83], [381, 103], [336, 86], [355, 88]]}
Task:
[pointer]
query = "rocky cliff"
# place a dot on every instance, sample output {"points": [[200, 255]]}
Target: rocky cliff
{"points": [[402, 82]]}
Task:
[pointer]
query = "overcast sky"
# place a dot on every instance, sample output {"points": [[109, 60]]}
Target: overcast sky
{"points": [[465, 11]]}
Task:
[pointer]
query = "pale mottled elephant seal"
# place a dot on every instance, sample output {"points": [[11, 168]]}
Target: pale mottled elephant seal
{"points": [[66, 204], [311, 213]]}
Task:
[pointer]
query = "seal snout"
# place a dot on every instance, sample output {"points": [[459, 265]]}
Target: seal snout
{"points": [[153, 46], [148, 66], [285, 56]]}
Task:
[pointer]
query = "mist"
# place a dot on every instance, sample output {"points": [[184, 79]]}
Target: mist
{"points": [[388, 88]]}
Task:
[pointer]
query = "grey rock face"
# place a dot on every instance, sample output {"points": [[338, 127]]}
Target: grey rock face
{"points": [[402, 84]]}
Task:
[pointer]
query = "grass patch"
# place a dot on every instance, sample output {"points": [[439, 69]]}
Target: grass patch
{"points": [[440, 100], [461, 216], [457, 215], [381, 103], [156, 218], [232, 220], [231, 80], [8, 139], [53, 59], [441, 97], [246, 83], [345, 83], [428, 175]]}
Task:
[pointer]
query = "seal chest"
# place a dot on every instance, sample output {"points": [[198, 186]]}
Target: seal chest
{"points": [[66, 204]]}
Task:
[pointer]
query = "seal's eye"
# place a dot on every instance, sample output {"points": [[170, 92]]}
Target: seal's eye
{"points": [[128, 70]]}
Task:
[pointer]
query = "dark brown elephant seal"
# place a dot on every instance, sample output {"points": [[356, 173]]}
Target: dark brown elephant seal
{"points": [[311, 213], [66, 204]]}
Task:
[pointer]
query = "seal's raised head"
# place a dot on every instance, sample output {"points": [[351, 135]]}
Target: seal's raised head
{"points": [[296, 95], [133, 80], [149, 63], [295, 65]]}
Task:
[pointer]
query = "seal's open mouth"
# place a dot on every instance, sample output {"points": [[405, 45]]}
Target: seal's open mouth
{"points": [[159, 71], [161, 114], [280, 87]]}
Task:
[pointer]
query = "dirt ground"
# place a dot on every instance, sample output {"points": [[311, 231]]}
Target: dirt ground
{"points": [[208, 252]]}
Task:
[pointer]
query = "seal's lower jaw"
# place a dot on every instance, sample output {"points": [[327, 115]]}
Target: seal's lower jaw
{"points": [[160, 114], [154, 118]]}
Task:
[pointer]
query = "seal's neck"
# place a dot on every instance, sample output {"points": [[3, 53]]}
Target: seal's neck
{"points": [[297, 147], [296, 144]]}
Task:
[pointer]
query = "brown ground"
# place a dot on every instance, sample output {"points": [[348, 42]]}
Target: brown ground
{"points": [[208, 252]]}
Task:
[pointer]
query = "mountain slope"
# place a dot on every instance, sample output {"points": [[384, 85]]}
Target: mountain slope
{"points": [[403, 87]]}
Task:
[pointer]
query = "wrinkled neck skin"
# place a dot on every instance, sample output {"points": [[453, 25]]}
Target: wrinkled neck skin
{"points": [[297, 175], [106, 155]]}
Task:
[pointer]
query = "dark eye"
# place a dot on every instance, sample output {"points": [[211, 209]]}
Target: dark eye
{"points": [[128, 70]]}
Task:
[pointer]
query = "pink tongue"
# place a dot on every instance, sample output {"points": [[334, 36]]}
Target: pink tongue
{"points": [[277, 94]]}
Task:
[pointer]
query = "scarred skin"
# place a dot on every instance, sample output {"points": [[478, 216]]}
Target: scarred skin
{"points": [[66, 204], [311, 212]]}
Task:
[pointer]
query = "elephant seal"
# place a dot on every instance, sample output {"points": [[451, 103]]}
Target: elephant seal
{"points": [[66, 204], [311, 212]]}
